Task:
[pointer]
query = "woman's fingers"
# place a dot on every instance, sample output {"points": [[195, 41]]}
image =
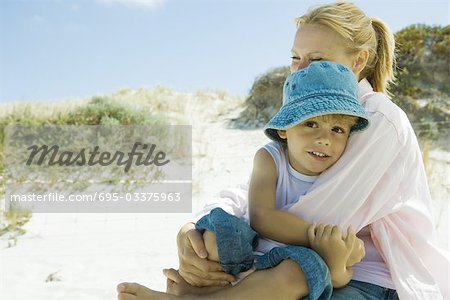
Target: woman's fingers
{"points": [[214, 279], [193, 263], [195, 270], [173, 275], [196, 240], [200, 271]]}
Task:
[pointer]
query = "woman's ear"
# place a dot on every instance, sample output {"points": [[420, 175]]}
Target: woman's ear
{"points": [[360, 61], [282, 134]]}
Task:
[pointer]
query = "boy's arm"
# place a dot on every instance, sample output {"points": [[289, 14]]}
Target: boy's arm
{"points": [[265, 218]]}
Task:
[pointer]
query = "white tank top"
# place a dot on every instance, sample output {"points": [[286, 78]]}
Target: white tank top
{"points": [[290, 183], [290, 186]]}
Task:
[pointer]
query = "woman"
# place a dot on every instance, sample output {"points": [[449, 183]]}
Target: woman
{"points": [[378, 186]]}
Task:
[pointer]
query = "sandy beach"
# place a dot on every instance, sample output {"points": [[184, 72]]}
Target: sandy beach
{"points": [[84, 256]]}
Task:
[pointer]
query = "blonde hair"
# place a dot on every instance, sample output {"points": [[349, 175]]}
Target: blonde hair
{"points": [[360, 32], [344, 120]]}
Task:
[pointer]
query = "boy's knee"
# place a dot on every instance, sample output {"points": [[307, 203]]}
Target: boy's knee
{"points": [[291, 276], [209, 238]]}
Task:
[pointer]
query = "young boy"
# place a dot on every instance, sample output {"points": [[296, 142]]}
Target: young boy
{"points": [[309, 132]]}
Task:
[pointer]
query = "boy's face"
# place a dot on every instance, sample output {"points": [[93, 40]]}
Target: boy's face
{"points": [[315, 145]]}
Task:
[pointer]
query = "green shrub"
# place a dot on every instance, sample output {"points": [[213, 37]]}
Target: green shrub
{"points": [[265, 99], [103, 111]]}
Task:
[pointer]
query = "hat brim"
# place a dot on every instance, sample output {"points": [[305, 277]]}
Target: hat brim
{"points": [[297, 112]]}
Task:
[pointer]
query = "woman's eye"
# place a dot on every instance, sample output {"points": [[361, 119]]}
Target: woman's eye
{"points": [[295, 58], [316, 59]]}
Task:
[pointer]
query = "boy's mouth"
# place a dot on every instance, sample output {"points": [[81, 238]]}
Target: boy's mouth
{"points": [[318, 154]]}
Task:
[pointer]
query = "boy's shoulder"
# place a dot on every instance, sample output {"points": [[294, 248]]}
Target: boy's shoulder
{"points": [[277, 152], [273, 146]]}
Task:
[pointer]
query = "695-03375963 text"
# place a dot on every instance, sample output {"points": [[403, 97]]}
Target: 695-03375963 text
{"points": [[97, 196]]}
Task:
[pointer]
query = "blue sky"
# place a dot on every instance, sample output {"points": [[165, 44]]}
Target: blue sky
{"points": [[51, 50]]}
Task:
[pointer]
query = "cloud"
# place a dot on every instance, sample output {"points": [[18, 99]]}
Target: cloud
{"points": [[149, 4]]}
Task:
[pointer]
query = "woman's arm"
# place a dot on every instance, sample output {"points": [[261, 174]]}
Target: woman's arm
{"points": [[265, 218]]}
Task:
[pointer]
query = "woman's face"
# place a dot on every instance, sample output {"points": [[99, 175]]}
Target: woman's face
{"points": [[316, 42]]}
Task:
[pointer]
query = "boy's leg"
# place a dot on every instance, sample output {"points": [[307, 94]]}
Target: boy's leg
{"points": [[209, 238], [285, 281], [233, 238], [176, 285], [315, 270]]}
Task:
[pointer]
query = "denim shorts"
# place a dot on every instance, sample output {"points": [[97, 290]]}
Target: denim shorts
{"points": [[362, 290], [236, 243]]}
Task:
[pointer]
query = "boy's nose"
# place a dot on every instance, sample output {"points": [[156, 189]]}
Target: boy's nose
{"points": [[323, 140]]}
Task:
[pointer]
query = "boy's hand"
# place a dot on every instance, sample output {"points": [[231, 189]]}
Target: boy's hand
{"points": [[328, 242], [358, 252]]}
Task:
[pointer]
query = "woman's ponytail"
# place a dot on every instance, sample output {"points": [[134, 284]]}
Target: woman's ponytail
{"points": [[382, 73]]}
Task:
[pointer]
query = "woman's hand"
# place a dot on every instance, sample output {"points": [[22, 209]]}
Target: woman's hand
{"points": [[195, 268]]}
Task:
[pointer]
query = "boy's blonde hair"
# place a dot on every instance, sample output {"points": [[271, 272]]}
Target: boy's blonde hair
{"points": [[343, 120], [360, 32]]}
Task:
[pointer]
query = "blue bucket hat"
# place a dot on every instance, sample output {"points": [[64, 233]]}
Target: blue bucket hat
{"points": [[235, 239], [323, 88]]}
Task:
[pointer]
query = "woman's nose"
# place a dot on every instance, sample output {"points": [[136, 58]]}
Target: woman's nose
{"points": [[296, 66]]}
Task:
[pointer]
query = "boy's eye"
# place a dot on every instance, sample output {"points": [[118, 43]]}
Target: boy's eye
{"points": [[338, 129], [311, 124]]}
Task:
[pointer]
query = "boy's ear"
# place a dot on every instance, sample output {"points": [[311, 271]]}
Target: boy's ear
{"points": [[282, 134]]}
